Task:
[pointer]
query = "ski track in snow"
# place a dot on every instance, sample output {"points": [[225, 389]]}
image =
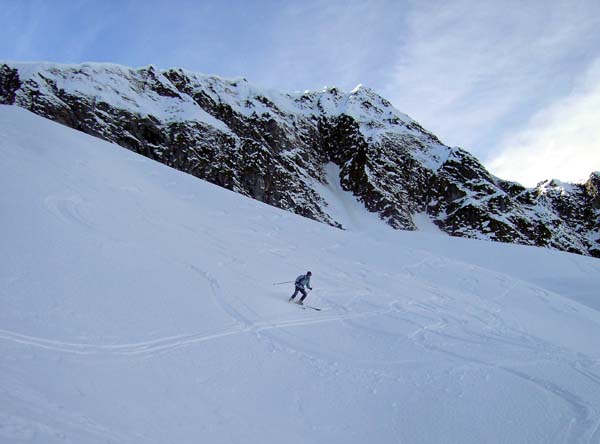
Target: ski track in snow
{"points": [[400, 323], [68, 209], [433, 319], [585, 426], [170, 343]]}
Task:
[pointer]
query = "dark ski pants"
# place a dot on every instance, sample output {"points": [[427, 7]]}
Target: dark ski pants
{"points": [[301, 290]]}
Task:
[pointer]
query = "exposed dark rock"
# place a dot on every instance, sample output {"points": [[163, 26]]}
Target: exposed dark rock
{"points": [[9, 84], [592, 188], [274, 147]]}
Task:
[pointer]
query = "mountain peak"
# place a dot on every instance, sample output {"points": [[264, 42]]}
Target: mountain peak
{"points": [[276, 147]]}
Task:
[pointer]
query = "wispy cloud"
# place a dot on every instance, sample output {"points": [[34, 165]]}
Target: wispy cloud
{"points": [[561, 141], [474, 71], [342, 43], [22, 24]]}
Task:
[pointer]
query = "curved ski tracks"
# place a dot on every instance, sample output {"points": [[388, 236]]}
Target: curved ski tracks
{"points": [[433, 319]]}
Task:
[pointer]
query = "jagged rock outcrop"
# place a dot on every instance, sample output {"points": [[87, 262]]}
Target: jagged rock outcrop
{"points": [[274, 147]]}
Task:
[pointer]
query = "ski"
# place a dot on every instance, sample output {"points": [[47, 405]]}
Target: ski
{"points": [[305, 306]]}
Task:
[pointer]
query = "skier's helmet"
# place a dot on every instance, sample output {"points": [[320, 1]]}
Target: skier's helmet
{"points": [[308, 273]]}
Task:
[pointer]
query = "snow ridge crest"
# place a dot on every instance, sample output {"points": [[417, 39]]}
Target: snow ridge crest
{"points": [[275, 147]]}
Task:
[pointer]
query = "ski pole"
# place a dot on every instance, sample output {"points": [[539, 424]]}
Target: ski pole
{"points": [[281, 283]]}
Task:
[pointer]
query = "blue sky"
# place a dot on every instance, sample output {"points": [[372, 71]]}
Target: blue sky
{"points": [[517, 83]]}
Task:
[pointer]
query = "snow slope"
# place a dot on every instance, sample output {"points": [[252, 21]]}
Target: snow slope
{"points": [[275, 147], [137, 305]]}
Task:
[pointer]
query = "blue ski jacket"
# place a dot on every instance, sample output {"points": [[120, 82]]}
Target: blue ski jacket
{"points": [[303, 280]]}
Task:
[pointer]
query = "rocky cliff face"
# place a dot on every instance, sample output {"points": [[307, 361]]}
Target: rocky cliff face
{"points": [[274, 147]]}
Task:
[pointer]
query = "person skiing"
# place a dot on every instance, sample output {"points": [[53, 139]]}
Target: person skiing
{"points": [[302, 281]]}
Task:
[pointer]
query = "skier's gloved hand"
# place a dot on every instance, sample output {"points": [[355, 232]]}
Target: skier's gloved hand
{"points": [[310, 288]]}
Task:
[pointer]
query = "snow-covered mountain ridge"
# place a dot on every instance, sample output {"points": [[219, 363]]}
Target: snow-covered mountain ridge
{"points": [[137, 305], [275, 147]]}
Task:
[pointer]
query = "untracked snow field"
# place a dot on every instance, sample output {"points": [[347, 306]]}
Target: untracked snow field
{"points": [[137, 305]]}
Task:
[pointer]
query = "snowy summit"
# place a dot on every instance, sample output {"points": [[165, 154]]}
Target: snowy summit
{"points": [[280, 148]]}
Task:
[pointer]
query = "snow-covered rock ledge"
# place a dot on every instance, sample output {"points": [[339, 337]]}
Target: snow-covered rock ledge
{"points": [[275, 147]]}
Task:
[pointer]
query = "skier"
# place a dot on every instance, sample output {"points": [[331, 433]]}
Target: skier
{"points": [[301, 281]]}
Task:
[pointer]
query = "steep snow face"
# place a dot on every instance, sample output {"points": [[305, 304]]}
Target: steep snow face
{"points": [[275, 147], [137, 305], [122, 87], [343, 206], [148, 92]]}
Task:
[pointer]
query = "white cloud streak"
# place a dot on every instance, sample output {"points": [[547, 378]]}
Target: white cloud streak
{"points": [[561, 141], [339, 43], [474, 71]]}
